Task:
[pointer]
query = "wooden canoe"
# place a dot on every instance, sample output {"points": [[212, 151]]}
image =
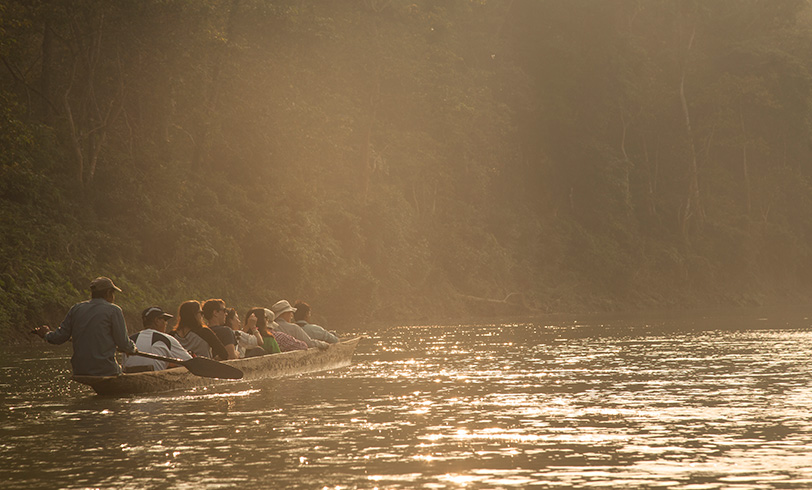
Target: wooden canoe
{"points": [[260, 367]]}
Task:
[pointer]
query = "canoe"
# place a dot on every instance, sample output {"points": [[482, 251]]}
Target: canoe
{"points": [[253, 368]]}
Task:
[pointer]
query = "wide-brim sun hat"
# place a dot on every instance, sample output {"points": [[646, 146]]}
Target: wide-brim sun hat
{"points": [[280, 307]]}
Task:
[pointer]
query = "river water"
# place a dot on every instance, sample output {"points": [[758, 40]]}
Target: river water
{"points": [[699, 400]]}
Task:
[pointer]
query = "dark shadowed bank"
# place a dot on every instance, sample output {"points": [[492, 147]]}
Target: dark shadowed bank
{"points": [[405, 161]]}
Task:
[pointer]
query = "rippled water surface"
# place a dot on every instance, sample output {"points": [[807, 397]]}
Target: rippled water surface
{"points": [[691, 402]]}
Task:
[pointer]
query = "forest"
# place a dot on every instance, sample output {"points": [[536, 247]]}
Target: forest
{"points": [[405, 161]]}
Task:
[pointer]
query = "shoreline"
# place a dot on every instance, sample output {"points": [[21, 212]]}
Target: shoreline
{"points": [[505, 314]]}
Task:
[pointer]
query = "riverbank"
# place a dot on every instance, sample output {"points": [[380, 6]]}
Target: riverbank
{"points": [[455, 309]]}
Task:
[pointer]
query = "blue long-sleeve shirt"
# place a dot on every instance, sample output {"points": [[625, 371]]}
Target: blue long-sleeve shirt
{"points": [[296, 332], [317, 332], [97, 327]]}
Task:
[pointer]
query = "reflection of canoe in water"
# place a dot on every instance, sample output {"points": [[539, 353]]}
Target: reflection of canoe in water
{"points": [[260, 367]]}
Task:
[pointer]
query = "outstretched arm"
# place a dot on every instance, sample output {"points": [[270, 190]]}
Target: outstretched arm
{"points": [[60, 335]]}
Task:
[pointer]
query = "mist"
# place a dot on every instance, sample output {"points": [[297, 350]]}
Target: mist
{"points": [[405, 161]]}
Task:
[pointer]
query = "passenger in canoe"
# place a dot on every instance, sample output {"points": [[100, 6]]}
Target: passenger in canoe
{"points": [[97, 328], [283, 315], [154, 340], [302, 318], [269, 342], [281, 341], [199, 340], [249, 342], [214, 314]]}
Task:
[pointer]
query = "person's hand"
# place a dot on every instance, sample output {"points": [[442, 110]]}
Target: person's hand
{"points": [[251, 323], [42, 331]]}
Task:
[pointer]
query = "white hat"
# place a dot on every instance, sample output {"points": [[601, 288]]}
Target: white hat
{"points": [[281, 306]]}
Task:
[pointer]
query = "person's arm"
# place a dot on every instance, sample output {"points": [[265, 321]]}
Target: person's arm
{"points": [[288, 342], [42, 331], [232, 351], [251, 328], [60, 335], [299, 334], [311, 342], [252, 340], [177, 351], [231, 347], [318, 333], [218, 350], [119, 330], [329, 337], [174, 350], [229, 340]]}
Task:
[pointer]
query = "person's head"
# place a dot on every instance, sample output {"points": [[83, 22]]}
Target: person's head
{"points": [[302, 312], [214, 311], [282, 309], [190, 315], [233, 319], [155, 318], [103, 287], [264, 318]]}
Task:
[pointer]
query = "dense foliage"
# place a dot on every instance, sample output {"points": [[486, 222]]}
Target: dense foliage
{"points": [[394, 160]]}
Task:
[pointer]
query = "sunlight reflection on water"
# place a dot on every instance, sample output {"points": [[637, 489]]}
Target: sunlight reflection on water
{"points": [[493, 406]]}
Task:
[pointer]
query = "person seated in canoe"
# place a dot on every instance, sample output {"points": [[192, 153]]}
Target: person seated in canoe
{"points": [[154, 340], [283, 315], [302, 318], [214, 314], [274, 340], [269, 342], [97, 328], [196, 338], [249, 342]]}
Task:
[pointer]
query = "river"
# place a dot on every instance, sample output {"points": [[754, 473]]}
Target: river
{"points": [[697, 400]]}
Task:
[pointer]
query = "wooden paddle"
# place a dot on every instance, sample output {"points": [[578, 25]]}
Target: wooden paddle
{"points": [[199, 366]]}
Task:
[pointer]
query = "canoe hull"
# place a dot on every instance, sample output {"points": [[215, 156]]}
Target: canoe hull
{"points": [[260, 367]]}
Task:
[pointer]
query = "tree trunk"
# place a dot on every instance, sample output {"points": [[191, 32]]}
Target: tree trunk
{"points": [[651, 181], [367, 164], [88, 117], [692, 210], [627, 163], [366, 152], [210, 102], [76, 141], [745, 169], [45, 112]]}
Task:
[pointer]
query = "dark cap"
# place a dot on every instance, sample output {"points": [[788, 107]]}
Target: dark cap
{"points": [[102, 284], [154, 312]]}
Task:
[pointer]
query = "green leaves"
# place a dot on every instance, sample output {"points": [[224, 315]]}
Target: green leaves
{"points": [[375, 156]]}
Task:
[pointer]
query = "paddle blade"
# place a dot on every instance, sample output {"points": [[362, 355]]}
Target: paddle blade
{"points": [[209, 368]]}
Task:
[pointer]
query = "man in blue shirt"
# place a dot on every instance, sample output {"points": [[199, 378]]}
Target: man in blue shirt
{"points": [[302, 318], [96, 327], [283, 313]]}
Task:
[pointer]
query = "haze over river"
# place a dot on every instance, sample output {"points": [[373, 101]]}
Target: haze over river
{"points": [[698, 400]]}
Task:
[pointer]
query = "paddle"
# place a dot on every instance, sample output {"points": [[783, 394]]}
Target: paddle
{"points": [[199, 366]]}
